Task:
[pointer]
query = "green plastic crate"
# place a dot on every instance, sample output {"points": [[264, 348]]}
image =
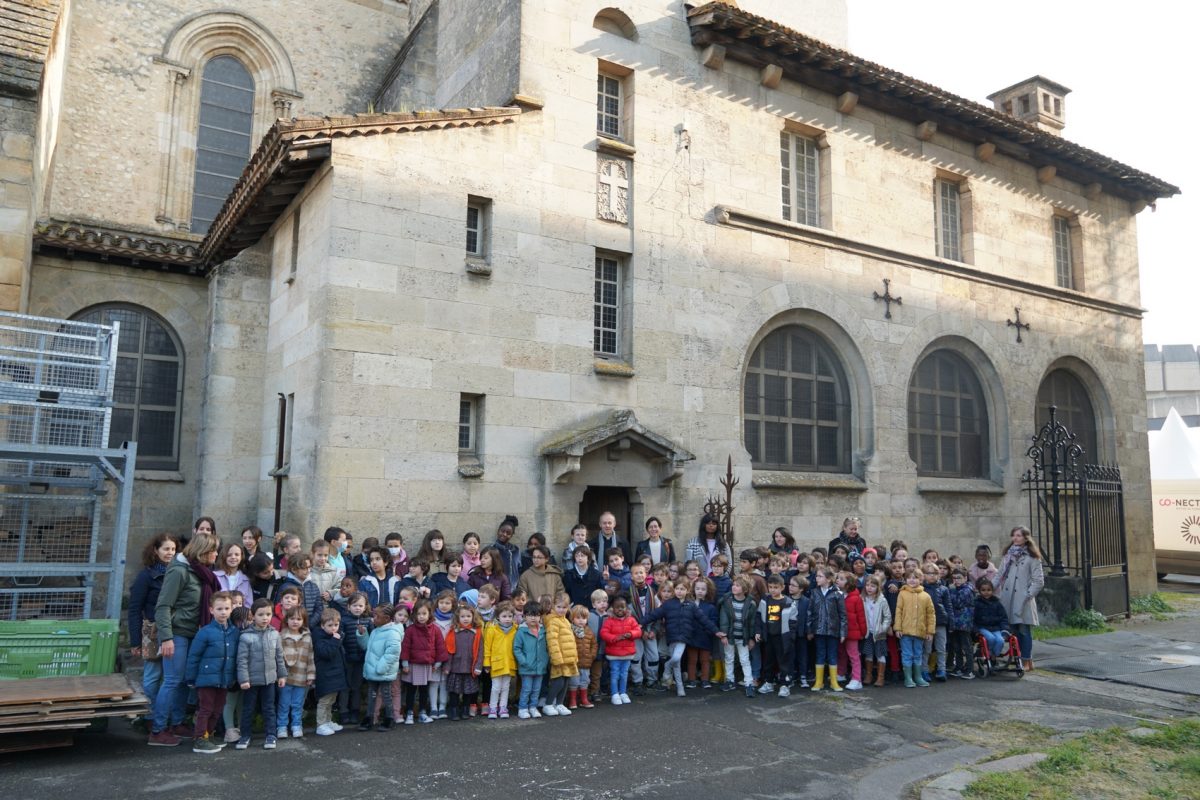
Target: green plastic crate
{"points": [[46, 648]]}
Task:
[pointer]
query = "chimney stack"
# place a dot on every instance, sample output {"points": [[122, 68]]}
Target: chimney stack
{"points": [[1038, 100]]}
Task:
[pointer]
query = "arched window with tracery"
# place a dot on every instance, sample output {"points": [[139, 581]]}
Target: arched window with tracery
{"points": [[947, 418], [1063, 390], [222, 137], [148, 391], [796, 404]]}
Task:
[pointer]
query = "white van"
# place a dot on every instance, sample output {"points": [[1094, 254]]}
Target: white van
{"points": [[1176, 526]]}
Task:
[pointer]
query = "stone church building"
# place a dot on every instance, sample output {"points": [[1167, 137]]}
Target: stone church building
{"points": [[401, 265]]}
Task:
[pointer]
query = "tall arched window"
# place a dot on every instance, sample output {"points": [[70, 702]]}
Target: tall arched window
{"points": [[148, 392], [223, 137], [947, 418], [796, 404], [1074, 409]]}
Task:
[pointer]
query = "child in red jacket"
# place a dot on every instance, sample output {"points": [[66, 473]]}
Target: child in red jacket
{"points": [[423, 651], [856, 629], [620, 633]]}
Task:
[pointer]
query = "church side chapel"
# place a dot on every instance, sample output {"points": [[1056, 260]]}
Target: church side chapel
{"points": [[407, 265]]}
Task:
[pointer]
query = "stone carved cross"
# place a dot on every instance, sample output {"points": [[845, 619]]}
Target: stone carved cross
{"points": [[612, 196], [1018, 324]]}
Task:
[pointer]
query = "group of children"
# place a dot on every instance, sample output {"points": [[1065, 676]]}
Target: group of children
{"points": [[425, 653]]}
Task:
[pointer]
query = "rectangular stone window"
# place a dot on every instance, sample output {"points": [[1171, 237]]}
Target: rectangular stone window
{"points": [[948, 219], [1064, 262], [800, 178], [478, 225], [469, 406], [610, 105], [606, 320]]}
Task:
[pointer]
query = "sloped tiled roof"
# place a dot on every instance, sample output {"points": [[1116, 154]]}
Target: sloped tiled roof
{"points": [[26, 27], [759, 41]]}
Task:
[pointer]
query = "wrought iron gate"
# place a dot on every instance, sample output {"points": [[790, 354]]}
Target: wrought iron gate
{"points": [[1077, 515]]}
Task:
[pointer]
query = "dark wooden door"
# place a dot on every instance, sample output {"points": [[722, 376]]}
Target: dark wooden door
{"points": [[597, 500]]}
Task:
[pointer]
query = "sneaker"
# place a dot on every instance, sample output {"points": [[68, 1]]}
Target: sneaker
{"points": [[232, 735], [562, 710], [925, 676], [163, 738], [408, 720], [940, 676], [728, 686], [550, 711], [691, 685], [474, 709], [967, 675], [205, 745], [325, 730], [503, 712], [534, 713], [785, 691], [804, 683], [242, 743], [297, 732], [854, 686], [624, 699], [281, 733], [616, 700], [365, 724], [706, 685], [269, 744], [492, 713], [183, 731], [424, 719], [335, 726], [766, 688], [523, 713], [750, 690]]}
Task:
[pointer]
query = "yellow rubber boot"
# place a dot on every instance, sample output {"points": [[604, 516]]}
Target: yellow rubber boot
{"points": [[833, 681], [819, 681]]}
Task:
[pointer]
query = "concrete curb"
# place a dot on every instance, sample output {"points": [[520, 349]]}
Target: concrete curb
{"points": [[951, 785]]}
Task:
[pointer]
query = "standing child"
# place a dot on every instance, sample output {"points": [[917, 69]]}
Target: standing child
{"points": [[564, 658], [260, 671], [529, 650], [738, 618], [891, 593], [777, 626], [443, 618], [330, 660], [719, 567], [299, 574], [617, 571], [498, 660], [585, 650], [356, 621], [423, 652], [939, 594], [380, 586], [827, 627], [485, 602], [960, 613], [879, 622], [211, 664], [620, 633], [596, 617], [397, 558], [239, 619], [983, 566], [464, 646], [849, 661], [381, 665], [301, 673], [642, 600], [915, 622], [700, 646], [470, 552], [323, 574], [798, 591], [289, 598]]}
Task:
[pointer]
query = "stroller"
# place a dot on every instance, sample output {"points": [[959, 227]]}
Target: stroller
{"points": [[988, 663]]}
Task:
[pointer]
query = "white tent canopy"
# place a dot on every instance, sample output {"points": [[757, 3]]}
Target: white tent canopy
{"points": [[1175, 450]]}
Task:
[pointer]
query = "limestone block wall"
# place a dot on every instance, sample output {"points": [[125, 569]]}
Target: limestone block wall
{"points": [[123, 102], [162, 501], [18, 124]]}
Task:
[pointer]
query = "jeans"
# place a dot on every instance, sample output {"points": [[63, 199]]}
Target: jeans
{"points": [[912, 651], [618, 676], [252, 698], [1024, 634], [531, 687], [644, 666], [995, 642], [379, 700], [170, 703], [827, 647], [152, 677], [581, 680], [291, 706], [742, 651]]}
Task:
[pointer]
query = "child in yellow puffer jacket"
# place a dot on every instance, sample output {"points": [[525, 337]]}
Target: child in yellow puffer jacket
{"points": [[498, 658], [564, 658], [915, 622]]}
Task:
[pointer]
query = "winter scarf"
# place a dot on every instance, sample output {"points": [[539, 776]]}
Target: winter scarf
{"points": [[209, 585]]}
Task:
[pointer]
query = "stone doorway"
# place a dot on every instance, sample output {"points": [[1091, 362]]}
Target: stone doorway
{"points": [[597, 500]]}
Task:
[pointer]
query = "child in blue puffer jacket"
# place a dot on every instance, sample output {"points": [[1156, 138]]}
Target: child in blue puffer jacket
{"points": [[356, 619], [960, 613], [211, 668], [381, 666], [682, 617]]}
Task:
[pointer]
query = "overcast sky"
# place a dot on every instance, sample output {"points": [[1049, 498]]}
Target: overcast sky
{"points": [[1133, 99]]}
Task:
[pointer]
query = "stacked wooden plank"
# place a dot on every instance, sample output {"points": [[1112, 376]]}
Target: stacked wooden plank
{"points": [[58, 707]]}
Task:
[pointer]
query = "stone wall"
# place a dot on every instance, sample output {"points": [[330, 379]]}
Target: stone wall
{"points": [[18, 123], [405, 328]]}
